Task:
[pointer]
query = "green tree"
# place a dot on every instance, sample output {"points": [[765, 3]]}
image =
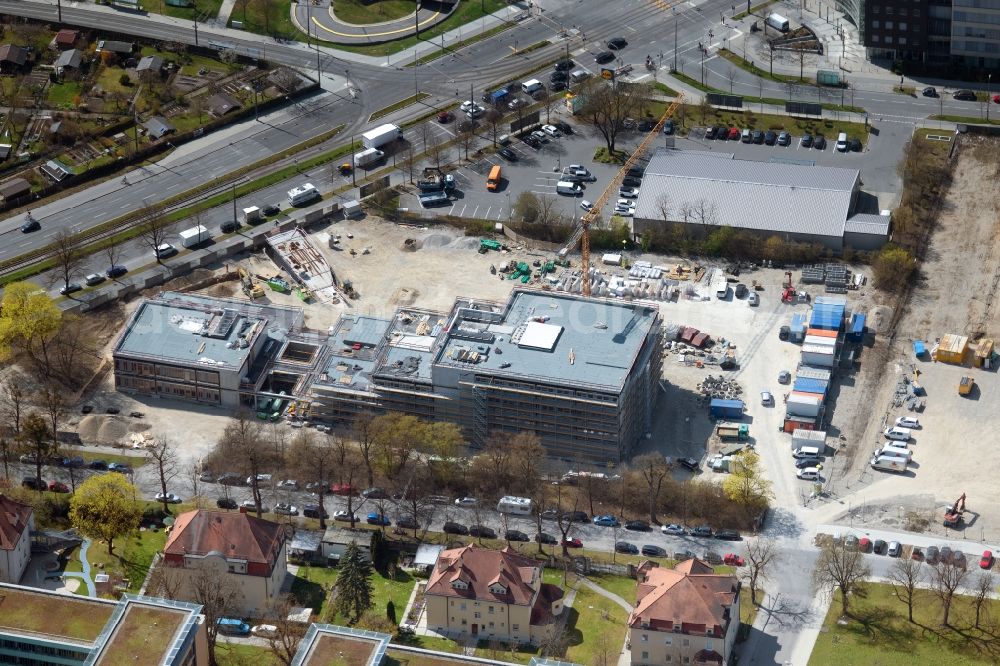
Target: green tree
{"points": [[354, 585], [36, 438], [28, 322], [526, 207], [893, 267], [104, 507], [746, 484]]}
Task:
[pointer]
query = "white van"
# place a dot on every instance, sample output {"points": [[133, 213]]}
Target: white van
{"points": [[807, 452], [569, 188], [302, 194], [808, 474], [894, 450], [531, 86], [842, 142], [897, 433]]}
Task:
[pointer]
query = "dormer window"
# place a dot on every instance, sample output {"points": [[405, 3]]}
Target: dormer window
{"points": [[497, 588], [459, 585]]}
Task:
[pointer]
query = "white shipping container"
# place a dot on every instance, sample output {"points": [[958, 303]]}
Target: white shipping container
{"points": [[612, 259], [820, 341], [802, 405], [815, 355], [810, 372], [802, 438]]}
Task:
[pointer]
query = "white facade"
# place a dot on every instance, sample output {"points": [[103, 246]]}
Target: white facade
{"points": [[14, 561]]}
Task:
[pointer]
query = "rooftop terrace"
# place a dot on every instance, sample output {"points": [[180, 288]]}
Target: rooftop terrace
{"points": [[64, 616], [555, 337]]}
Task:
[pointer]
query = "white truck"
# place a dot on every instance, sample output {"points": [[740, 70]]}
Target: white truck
{"points": [[889, 463], [302, 194], [367, 157], [720, 286], [251, 215], [778, 22], [381, 135], [195, 236], [892, 450]]}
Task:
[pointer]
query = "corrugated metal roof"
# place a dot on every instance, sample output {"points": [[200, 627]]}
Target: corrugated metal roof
{"points": [[749, 195], [868, 223], [813, 372]]}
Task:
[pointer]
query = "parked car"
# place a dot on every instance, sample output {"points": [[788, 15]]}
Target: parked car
{"points": [[728, 535], [629, 192], [803, 463], [285, 509], [964, 95], [626, 547], [854, 145], [342, 489], [577, 516], [806, 141], [758, 136], [376, 518], [552, 131], [345, 516], [439, 499], [250, 505], [482, 531], [606, 521], [34, 483], [672, 528], [766, 399], [784, 139], [288, 484], [226, 503], [637, 526], [653, 551], [784, 377], [28, 459], [94, 279], [617, 43], [702, 531], [454, 528], [74, 461], [770, 138], [407, 523], [374, 493], [270, 210], [958, 559], [879, 547], [710, 132], [733, 134], [733, 560], [895, 549], [466, 501], [515, 535], [169, 498], [264, 630], [564, 126], [230, 479], [545, 538], [668, 127], [746, 136], [819, 143], [70, 288], [116, 271], [908, 422], [507, 154], [945, 554], [445, 117], [313, 511], [261, 479], [929, 92], [99, 465], [586, 205], [564, 65], [58, 487], [573, 542], [229, 226], [629, 181], [986, 561], [121, 468], [689, 464]]}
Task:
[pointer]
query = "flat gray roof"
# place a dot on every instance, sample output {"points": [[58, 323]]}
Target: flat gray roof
{"points": [[189, 329], [744, 194], [868, 223], [586, 341]]}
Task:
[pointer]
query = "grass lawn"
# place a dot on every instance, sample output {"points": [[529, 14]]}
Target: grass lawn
{"points": [[968, 120], [362, 12], [879, 633], [131, 558], [110, 81], [758, 71], [465, 13], [63, 94], [396, 106], [241, 654], [623, 586], [311, 585], [272, 18], [430, 643], [596, 627], [828, 127], [665, 89], [198, 8]]}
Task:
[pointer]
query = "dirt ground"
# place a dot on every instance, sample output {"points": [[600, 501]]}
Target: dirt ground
{"points": [[951, 450]]}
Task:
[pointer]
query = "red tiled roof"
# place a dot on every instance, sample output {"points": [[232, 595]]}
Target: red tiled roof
{"points": [[689, 594], [14, 518], [66, 37], [237, 535], [480, 569]]}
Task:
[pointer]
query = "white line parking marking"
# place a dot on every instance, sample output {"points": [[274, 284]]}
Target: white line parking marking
{"points": [[486, 215], [475, 211]]}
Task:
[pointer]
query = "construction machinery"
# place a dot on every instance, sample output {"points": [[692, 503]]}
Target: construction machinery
{"points": [[582, 233], [787, 290], [953, 516], [251, 288], [965, 385]]}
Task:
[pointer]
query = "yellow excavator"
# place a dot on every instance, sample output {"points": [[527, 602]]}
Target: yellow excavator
{"points": [[252, 289]]}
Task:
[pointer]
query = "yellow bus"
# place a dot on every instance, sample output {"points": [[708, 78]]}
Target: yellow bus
{"points": [[493, 181]]}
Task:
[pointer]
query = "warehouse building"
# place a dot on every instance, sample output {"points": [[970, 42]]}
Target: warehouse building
{"points": [[582, 373], [702, 191]]}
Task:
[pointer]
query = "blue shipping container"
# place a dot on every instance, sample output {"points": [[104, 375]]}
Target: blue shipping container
{"points": [[857, 330], [810, 385], [726, 409]]}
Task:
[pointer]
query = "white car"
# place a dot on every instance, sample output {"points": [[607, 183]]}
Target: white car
{"points": [[164, 250], [466, 501], [672, 529], [249, 504], [343, 515], [475, 111], [540, 135], [907, 422], [626, 203], [625, 212], [265, 630], [766, 399], [467, 105], [808, 474], [261, 478], [517, 102], [551, 130], [587, 205], [629, 192], [288, 484], [169, 497]]}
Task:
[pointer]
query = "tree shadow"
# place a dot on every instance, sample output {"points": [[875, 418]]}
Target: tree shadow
{"points": [[573, 635]]}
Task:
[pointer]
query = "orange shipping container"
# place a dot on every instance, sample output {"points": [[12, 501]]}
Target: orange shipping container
{"points": [[821, 332]]}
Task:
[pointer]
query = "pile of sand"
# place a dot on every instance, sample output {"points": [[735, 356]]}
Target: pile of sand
{"points": [[102, 429]]}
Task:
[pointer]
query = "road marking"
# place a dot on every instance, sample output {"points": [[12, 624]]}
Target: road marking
{"points": [[486, 215], [500, 214], [474, 212], [464, 206]]}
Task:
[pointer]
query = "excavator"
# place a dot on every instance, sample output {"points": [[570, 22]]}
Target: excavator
{"points": [[252, 289], [953, 516]]}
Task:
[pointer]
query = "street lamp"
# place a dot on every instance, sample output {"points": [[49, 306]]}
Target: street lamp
{"points": [[989, 79], [674, 11]]}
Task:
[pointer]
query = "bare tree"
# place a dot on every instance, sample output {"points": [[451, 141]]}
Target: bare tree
{"points": [[67, 255], [761, 556], [51, 399], [410, 160], [548, 102], [732, 75], [153, 228], [843, 569], [467, 137], [311, 456], [218, 595], [287, 634], [985, 584], [364, 435], [14, 401], [243, 441], [654, 470], [946, 579], [438, 151], [113, 251], [164, 456], [494, 121], [194, 477], [608, 106], [905, 577]]}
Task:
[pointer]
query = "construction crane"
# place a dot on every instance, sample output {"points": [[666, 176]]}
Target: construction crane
{"points": [[582, 233]]}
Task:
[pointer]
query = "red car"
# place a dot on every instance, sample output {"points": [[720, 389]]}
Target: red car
{"points": [[996, 99], [734, 134], [58, 487], [986, 562], [572, 542], [734, 560], [342, 489], [865, 545]]}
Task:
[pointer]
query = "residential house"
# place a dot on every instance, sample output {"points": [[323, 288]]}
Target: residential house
{"points": [[491, 594], [158, 127], [685, 615], [149, 64], [336, 540], [220, 104], [68, 60], [65, 39], [12, 188], [233, 547], [12, 58], [122, 49], [16, 522]]}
